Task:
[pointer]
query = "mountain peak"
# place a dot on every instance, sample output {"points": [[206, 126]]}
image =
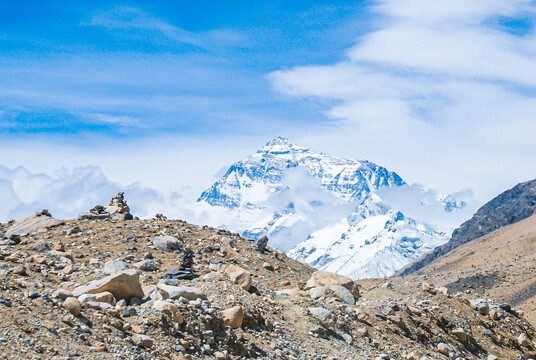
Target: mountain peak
{"points": [[280, 140]]}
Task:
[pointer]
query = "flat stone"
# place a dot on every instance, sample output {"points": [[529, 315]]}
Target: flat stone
{"points": [[293, 293], [123, 285], [62, 294], [31, 224], [175, 292]]}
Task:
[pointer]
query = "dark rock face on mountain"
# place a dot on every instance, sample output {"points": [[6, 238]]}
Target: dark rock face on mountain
{"points": [[508, 208]]}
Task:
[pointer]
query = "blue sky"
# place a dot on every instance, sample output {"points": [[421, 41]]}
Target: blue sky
{"points": [[442, 92], [140, 68]]}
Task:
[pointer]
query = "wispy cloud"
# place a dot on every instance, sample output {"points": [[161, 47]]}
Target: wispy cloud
{"points": [[128, 18], [133, 19], [435, 83]]}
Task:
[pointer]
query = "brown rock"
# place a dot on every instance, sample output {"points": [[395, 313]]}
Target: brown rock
{"points": [[136, 329], [73, 305], [460, 334], [143, 340], [233, 317], [31, 224], [326, 278], [239, 276], [169, 309], [100, 346]]}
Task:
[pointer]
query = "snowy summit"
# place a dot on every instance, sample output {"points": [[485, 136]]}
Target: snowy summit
{"points": [[336, 214]]}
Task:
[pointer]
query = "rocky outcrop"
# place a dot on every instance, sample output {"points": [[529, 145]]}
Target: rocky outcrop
{"points": [[508, 208], [122, 284], [32, 223]]}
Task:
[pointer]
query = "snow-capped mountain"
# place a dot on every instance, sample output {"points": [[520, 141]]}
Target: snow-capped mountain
{"points": [[336, 214], [374, 241], [254, 179]]}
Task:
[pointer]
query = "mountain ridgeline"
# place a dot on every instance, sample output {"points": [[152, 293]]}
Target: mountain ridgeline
{"points": [[329, 212], [508, 208]]}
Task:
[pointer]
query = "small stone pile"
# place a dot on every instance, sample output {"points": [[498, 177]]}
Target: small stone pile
{"points": [[184, 271], [160, 217], [118, 205], [117, 209], [43, 212]]}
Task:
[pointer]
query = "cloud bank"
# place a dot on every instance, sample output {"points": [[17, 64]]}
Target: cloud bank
{"points": [[445, 86], [67, 193]]}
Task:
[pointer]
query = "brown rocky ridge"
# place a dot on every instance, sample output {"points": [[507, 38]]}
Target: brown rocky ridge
{"points": [[507, 208], [500, 265], [101, 287]]}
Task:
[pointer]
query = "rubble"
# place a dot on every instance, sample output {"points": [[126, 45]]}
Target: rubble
{"points": [[110, 293]]}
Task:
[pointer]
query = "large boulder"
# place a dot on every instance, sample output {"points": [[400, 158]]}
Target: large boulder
{"points": [[32, 223], [123, 285], [167, 242], [326, 279]]}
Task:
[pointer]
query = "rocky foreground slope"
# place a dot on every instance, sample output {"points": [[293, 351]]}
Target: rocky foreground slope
{"points": [[507, 208], [171, 290]]}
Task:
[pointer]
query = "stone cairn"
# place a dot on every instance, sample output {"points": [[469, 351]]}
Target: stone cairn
{"points": [[43, 212], [160, 217], [116, 209], [184, 271]]}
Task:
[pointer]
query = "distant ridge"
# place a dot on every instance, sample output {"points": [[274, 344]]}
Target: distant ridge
{"points": [[509, 207]]}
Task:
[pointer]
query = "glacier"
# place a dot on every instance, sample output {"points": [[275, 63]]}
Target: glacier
{"points": [[343, 215]]}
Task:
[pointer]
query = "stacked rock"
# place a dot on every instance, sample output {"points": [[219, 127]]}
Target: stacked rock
{"points": [[184, 271], [160, 217], [43, 212], [116, 209], [118, 205], [98, 210]]}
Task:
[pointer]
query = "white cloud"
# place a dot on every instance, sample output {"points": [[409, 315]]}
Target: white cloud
{"points": [[437, 93], [67, 193]]}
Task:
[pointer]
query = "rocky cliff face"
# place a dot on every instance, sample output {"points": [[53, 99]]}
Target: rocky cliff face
{"points": [[508, 208]]}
